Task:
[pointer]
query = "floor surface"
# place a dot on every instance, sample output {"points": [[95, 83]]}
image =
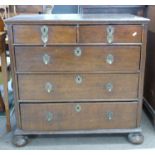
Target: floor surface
{"points": [[81, 142]]}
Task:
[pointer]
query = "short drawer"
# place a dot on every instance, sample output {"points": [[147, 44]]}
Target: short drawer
{"points": [[78, 116], [110, 34], [75, 87], [32, 34], [77, 58]]}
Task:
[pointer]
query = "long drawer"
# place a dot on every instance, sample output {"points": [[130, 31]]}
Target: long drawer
{"points": [[76, 87], [33, 34], [77, 58], [77, 116]]}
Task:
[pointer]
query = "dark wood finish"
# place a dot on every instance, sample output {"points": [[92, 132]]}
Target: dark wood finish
{"points": [[1, 50], [65, 88], [25, 9], [81, 44], [65, 117], [150, 72], [31, 75], [2, 44], [63, 58], [149, 87], [5, 78], [14, 77], [115, 9], [1, 25], [19, 132], [141, 77], [122, 34], [67, 34], [57, 34], [2, 109]]}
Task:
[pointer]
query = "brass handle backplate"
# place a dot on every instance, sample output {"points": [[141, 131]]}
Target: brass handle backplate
{"points": [[109, 115], [109, 59], [49, 87], [49, 117], [109, 87], [44, 34], [46, 59], [110, 34]]}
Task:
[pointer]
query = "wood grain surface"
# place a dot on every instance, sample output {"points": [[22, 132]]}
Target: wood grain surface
{"points": [[63, 58], [65, 116], [65, 88]]}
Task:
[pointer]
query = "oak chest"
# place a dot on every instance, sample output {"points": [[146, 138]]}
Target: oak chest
{"points": [[78, 73]]}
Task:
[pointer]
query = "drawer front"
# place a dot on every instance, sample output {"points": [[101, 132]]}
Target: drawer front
{"points": [[32, 34], [81, 58], [110, 34], [75, 87], [72, 116]]}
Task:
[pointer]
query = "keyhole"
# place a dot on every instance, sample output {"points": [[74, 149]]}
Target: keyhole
{"points": [[78, 79], [77, 52], [78, 108]]}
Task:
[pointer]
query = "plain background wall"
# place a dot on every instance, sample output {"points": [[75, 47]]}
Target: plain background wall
{"points": [[66, 9]]}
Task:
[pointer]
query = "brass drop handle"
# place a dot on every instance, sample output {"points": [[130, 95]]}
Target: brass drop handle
{"points": [[109, 87], [109, 115], [49, 117], [77, 52], [46, 59], [109, 59], [49, 87], [78, 79], [44, 34], [110, 34], [78, 108]]}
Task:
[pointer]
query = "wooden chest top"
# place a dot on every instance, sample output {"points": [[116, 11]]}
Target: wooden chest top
{"points": [[77, 18]]}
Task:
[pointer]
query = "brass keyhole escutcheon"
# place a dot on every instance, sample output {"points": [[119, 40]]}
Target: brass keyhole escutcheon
{"points": [[110, 34], [46, 59], [49, 87], [44, 34], [77, 52], [49, 117], [109, 87], [109, 115], [78, 108], [78, 79], [109, 59]]}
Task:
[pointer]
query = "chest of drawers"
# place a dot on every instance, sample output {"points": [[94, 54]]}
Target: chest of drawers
{"points": [[78, 73]]}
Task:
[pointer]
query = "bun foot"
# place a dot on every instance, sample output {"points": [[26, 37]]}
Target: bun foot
{"points": [[136, 138], [20, 141]]}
